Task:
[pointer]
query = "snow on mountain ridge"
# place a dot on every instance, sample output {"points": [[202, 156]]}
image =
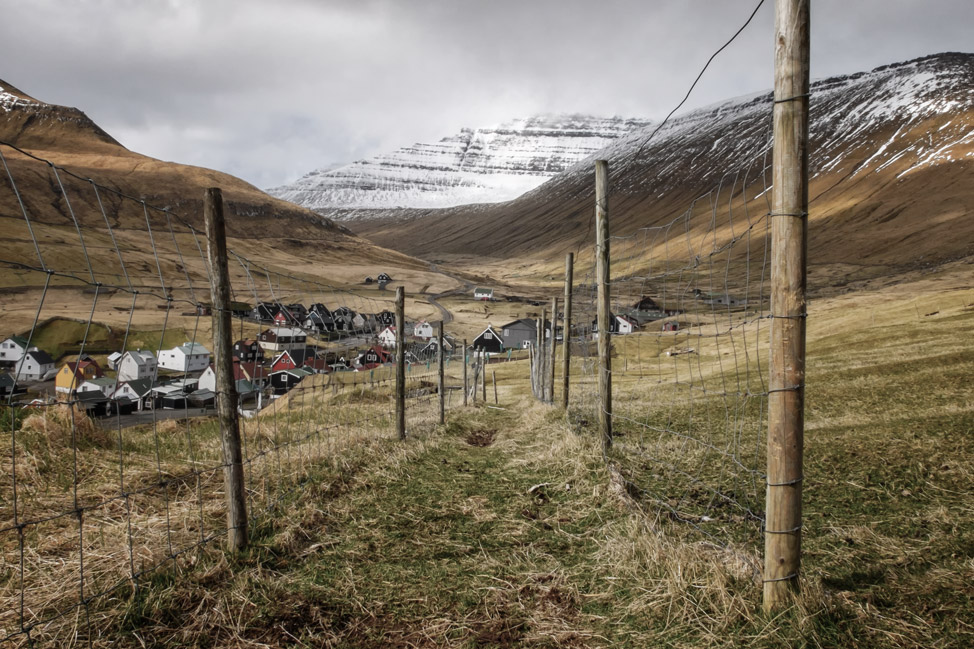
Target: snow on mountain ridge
{"points": [[9, 101], [492, 164], [860, 122]]}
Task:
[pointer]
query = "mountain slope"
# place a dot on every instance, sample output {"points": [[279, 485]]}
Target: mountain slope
{"points": [[267, 230], [892, 151], [68, 137], [483, 165]]}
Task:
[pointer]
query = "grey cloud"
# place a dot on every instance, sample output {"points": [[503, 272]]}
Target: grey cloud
{"points": [[268, 91]]}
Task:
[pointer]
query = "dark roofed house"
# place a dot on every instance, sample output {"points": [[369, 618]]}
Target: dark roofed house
{"points": [[248, 351], [648, 310], [373, 357], [284, 380], [264, 312], [488, 341], [35, 365], [12, 349]]}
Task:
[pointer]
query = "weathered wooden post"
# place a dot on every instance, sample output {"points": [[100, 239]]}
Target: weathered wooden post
{"points": [[483, 376], [465, 384], [531, 370], [400, 362], [789, 228], [233, 473], [493, 374], [441, 382], [540, 356], [602, 278], [566, 345], [550, 378]]}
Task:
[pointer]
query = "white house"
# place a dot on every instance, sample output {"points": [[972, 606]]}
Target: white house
{"points": [[137, 365], [483, 293], [188, 357], [423, 330], [208, 379], [104, 384], [113, 360], [625, 324], [387, 337], [12, 349], [35, 365]]}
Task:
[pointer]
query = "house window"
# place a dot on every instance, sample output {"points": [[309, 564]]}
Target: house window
{"points": [[507, 332], [488, 336]]}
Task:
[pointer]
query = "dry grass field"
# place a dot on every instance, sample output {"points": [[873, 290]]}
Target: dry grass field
{"points": [[506, 527]]}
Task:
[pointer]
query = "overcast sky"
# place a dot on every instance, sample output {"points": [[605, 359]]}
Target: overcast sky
{"points": [[271, 90]]}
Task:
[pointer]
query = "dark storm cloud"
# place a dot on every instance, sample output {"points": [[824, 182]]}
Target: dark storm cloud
{"points": [[269, 91]]}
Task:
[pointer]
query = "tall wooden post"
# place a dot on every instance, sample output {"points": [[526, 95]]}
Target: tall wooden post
{"points": [[465, 385], [566, 344], [550, 378], [441, 382], [602, 278], [539, 357], [233, 473], [789, 229], [483, 377], [400, 362]]}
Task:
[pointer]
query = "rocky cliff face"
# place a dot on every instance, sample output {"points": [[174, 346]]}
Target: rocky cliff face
{"points": [[485, 165]]}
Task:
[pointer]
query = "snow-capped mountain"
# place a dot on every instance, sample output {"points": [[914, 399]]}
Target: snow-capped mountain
{"points": [[484, 165], [889, 153]]}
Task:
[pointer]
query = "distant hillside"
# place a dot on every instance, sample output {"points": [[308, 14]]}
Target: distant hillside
{"points": [[266, 226], [66, 136], [484, 165], [892, 152]]}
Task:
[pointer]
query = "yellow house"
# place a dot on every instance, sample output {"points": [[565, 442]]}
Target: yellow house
{"points": [[73, 374]]}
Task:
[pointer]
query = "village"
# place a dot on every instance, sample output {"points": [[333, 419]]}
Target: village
{"points": [[299, 341]]}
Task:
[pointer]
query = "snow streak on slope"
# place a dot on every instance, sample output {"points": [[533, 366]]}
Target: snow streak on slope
{"points": [[10, 101], [866, 121], [475, 166]]}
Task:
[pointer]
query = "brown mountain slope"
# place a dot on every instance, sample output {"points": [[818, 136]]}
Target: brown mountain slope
{"points": [[68, 138], [892, 152]]}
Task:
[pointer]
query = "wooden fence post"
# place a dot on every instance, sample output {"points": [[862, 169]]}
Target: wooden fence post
{"points": [[540, 356], [233, 473], [441, 383], [550, 379], [789, 228], [602, 278], [483, 376], [566, 340], [493, 374], [400, 362], [465, 384]]}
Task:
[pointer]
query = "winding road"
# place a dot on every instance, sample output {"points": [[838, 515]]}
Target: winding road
{"points": [[445, 315]]}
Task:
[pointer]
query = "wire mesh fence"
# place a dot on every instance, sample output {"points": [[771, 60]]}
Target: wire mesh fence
{"points": [[113, 463], [689, 329]]}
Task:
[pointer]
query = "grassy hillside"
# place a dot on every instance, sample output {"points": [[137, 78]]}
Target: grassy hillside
{"points": [[505, 528]]}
